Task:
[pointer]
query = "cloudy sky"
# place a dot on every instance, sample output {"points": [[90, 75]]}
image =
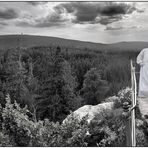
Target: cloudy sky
{"points": [[103, 22]]}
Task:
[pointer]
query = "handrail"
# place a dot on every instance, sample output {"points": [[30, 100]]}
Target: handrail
{"points": [[134, 97], [129, 111]]}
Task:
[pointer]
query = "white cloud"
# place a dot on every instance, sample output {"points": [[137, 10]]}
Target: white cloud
{"points": [[132, 26]]}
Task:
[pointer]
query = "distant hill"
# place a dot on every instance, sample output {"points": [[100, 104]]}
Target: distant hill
{"points": [[127, 46], [12, 41]]}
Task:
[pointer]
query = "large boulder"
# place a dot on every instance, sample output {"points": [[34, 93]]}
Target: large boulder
{"points": [[90, 111], [143, 106]]}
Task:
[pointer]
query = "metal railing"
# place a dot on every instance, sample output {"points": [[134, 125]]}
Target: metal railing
{"points": [[129, 111], [134, 98]]}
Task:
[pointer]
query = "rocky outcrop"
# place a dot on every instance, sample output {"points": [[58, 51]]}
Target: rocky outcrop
{"points": [[143, 106], [90, 111]]}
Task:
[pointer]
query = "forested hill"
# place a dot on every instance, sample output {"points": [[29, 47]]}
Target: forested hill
{"points": [[12, 41], [43, 85]]}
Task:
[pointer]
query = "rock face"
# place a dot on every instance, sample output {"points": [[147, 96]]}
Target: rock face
{"points": [[143, 106], [91, 111]]}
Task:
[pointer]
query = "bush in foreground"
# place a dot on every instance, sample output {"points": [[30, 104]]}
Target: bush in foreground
{"points": [[106, 129]]}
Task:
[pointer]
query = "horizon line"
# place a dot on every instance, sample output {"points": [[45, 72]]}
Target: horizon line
{"points": [[24, 34]]}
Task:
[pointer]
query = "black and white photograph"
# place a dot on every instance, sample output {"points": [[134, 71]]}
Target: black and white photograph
{"points": [[73, 74]]}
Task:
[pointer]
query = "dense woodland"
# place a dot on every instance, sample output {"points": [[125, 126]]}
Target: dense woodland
{"points": [[53, 82]]}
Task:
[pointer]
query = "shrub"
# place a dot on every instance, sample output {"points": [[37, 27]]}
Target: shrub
{"points": [[106, 129], [19, 130], [5, 140], [14, 121]]}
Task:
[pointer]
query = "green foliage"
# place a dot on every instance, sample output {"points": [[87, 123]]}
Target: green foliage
{"points": [[43, 80], [94, 88], [141, 132], [58, 90], [19, 130], [43, 77], [13, 119], [80, 66], [5, 140], [106, 129], [122, 96], [117, 72], [52, 82]]}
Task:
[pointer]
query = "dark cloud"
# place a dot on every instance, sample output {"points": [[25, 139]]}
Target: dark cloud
{"points": [[105, 20], [8, 14], [82, 11], [51, 20], [112, 9], [96, 12]]}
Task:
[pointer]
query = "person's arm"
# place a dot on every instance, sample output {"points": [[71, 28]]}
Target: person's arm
{"points": [[140, 58]]}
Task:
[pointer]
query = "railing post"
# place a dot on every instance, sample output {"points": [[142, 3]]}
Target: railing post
{"points": [[127, 116], [133, 95]]}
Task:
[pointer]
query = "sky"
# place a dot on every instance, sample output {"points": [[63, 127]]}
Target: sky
{"points": [[101, 22]]}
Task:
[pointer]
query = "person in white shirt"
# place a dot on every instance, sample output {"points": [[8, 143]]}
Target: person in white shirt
{"points": [[142, 60]]}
